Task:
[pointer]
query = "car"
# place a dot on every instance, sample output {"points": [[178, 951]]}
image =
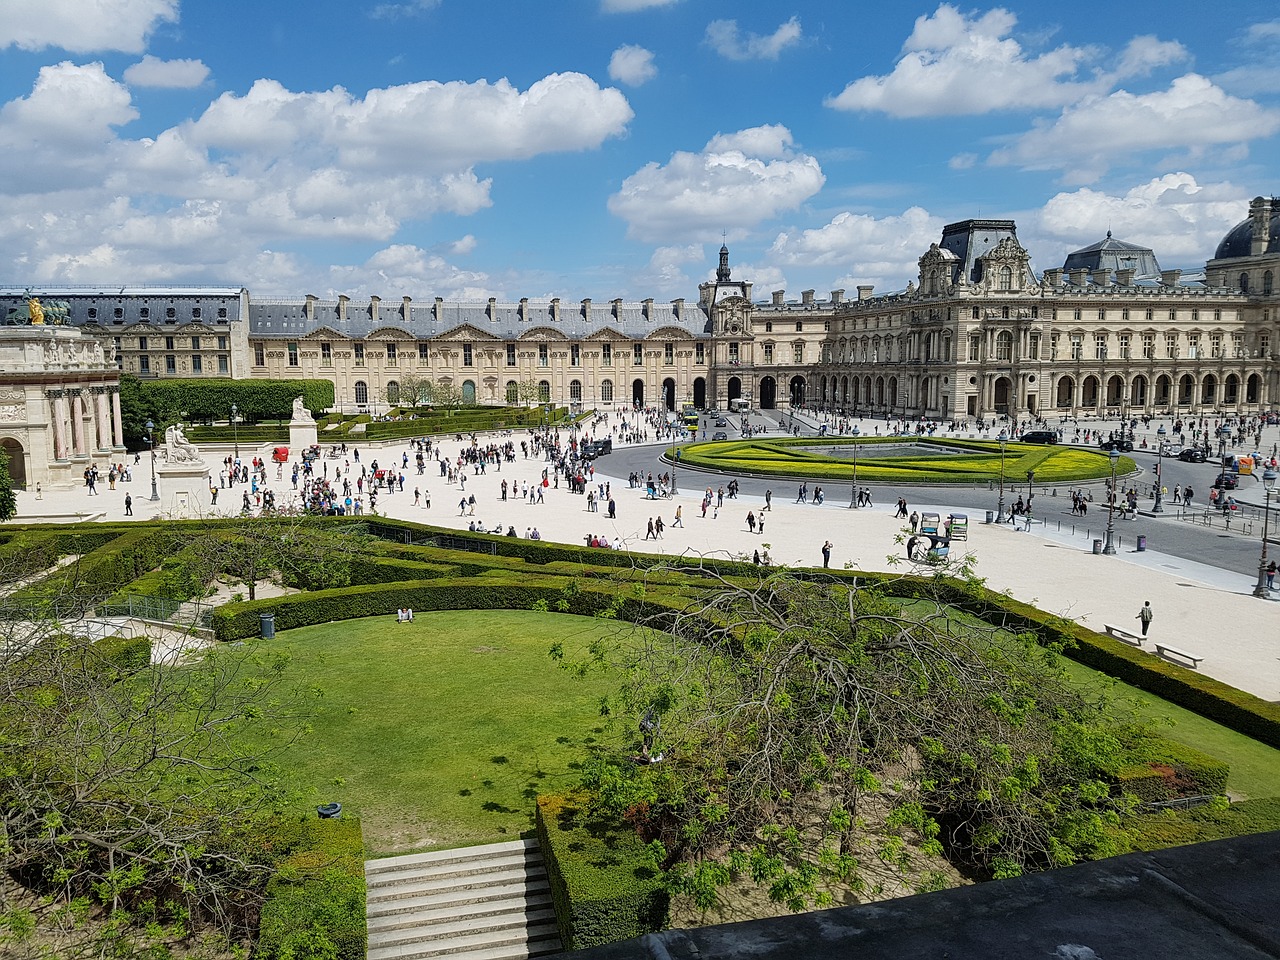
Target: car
{"points": [[1193, 455], [1227, 481], [722, 422], [1039, 436], [719, 435], [1122, 446], [1170, 449]]}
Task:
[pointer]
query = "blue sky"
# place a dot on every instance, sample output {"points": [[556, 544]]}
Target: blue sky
{"points": [[603, 148]]}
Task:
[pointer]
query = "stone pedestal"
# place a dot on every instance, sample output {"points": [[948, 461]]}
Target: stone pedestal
{"points": [[302, 434], [184, 489]]}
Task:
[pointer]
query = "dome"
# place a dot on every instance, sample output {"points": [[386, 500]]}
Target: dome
{"points": [[1112, 254], [1239, 239]]}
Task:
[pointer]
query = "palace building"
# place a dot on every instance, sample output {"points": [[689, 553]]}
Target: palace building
{"points": [[978, 334]]}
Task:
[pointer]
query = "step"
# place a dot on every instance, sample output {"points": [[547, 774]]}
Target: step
{"points": [[444, 913], [511, 920], [447, 868], [453, 853], [510, 951], [445, 898], [523, 937], [411, 886]]}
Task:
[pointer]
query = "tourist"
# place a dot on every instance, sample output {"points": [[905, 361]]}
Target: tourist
{"points": [[826, 554], [1146, 615]]}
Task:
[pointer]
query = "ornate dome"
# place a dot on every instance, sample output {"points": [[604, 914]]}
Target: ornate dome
{"points": [[1239, 239], [1112, 254]]}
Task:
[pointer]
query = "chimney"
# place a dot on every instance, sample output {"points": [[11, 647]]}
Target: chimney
{"points": [[1260, 214], [1169, 278], [864, 291], [678, 304], [1078, 276], [492, 309], [806, 298], [779, 298], [615, 307], [437, 311], [406, 308], [310, 309], [1125, 277], [555, 309], [375, 303], [1102, 276], [524, 309], [586, 308], [1053, 277], [837, 296], [343, 300], [648, 308]]}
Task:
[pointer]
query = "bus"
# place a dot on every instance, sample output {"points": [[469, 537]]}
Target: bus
{"points": [[689, 415]]}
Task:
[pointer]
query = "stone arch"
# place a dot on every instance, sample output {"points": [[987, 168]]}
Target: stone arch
{"points": [[468, 393], [1186, 390], [1115, 390], [1231, 389], [768, 393], [1090, 391], [1209, 389], [1065, 394], [700, 392], [362, 393], [669, 394], [1252, 388], [17, 462], [1138, 391], [1164, 390], [735, 388], [797, 391], [1003, 390], [637, 393]]}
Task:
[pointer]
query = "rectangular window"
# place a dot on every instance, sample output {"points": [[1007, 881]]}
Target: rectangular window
{"points": [[977, 313], [1264, 345], [544, 355], [393, 354], [1100, 346], [668, 353], [359, 348], [1217, 316], [468, 357], [168, 343], [768, 353], [798, 350], [1124, 346], [699, 353], [197, 364], [606, 354], [1215, 345], [293, 354], [1124, 314], [637, 355], [1033, 349], [195, 343], [1170, 344], [975, 349], [511, 354], [733, 353], [144, 364], [1193, 347], [142, 343], [1237, 344], [424, 354], [326, 355], [1151, 314], [170, 363], [1195, 315], [259, 355], [575, 356], [1077, 347], [222, 343], [1102, 313], [1076, 313], [224, 364], [1148, 346]]}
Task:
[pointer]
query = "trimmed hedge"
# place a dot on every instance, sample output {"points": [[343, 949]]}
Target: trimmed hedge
{"points": [[1169, 828], [316, 901], [605, 883], [102, 572], [1163, 769]]}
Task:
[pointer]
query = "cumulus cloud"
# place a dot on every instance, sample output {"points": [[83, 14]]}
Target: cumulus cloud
{"points": [[632, 65], [80, 27], [1192, 114], [171, 74], [721, 187], [955, 64], [1144, 54], [726, 39], [631, 6], [669, 269], [862, 249]]}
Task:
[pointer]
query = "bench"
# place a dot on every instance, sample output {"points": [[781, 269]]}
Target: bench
{"points": [[1168, 652], [1121, 634]]}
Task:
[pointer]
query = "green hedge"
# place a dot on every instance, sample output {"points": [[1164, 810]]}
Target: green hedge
{"points": [[241, 434], [1175, 828], [1162, 769], [166, 401], [604, 881], [103, 571], [466, 420], [315, 905], [127, 654]]}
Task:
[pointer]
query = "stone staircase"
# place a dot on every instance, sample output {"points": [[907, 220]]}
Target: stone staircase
{"points": [[491, 902]]}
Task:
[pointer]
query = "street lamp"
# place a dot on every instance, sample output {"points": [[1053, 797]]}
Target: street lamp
{"points": [[1110, 547], [151, 438], [853, 493], [1003, 438], [1159, 504], [1268, 484], [235, 430], [1031, 478]]}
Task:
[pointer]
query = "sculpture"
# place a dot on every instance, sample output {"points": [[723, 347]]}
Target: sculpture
{"points": [[178, 449], [300, 410]]}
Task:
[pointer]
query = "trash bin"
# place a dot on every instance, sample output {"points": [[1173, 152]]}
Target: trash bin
{"points": [[329, 811], [1142, 542], [267, 625], [990, 517], [1097, 546]]}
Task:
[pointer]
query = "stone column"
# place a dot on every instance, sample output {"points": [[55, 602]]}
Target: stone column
{"points": [[117, 437], [80, 448], [101, 426], [54, 400]]}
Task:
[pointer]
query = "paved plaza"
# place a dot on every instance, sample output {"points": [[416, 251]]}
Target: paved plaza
{"points": [[1200, 608]]}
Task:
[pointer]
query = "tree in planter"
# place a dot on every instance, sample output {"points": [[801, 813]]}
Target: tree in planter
{"points": [[810, 728]]}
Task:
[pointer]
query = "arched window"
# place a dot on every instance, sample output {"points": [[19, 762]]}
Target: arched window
{"points": [[362, 392], [606, 391], [1244, 283], [393, 391], [1005, 281], [1267, 281], [469, 393], [544, 391], [513, 392], [575, 391]]}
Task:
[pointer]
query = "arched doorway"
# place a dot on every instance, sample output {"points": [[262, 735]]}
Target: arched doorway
{"points": [[669, 394], [1115, 390], [468, 393], [1089, 392], [797, 391], [17, 462], [1186, 390], [1164, 390], [362, 393], [1252, 388], [1003, 388], [768, 393], [637, 393], [1231, 389], [893, 392], [1138, 391], [735, 388], [1066, 393], [1209, 389], [700, 392]]}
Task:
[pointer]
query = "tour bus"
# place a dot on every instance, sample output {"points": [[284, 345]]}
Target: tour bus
{"points": [[739, 405]]}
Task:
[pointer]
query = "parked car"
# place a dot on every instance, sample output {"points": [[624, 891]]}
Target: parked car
{"points": [[1171, 449], [1123, 446], [1039, 436], [1193, 455], [1227, 481], [719, 435]]}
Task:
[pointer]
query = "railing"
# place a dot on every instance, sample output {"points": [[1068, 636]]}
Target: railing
{"points": [[445, 542], [162, 609]]}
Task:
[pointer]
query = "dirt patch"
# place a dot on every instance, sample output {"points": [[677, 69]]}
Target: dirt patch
{"points": [[388, 836], [225, 590]]}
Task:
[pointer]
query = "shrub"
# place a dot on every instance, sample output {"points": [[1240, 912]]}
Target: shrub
{"points": [[1175, 828], [126, 654], [315, 904], [605, 883], [1162, 769]]}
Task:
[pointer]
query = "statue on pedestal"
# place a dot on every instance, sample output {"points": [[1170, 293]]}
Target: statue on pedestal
{"points": [[178, 449], [300, 410]]}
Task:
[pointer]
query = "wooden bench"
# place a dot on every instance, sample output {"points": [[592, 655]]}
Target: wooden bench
{"points": [[1168, 652], [1121, 634]]}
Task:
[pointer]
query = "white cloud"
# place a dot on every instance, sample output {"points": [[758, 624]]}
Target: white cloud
{"points": [[394, 11], [1192, 114], [725, 38], [721, 187], [631, 6], [1144, 54], [668, 269], [463, 245], [632, 65], [954, 65], [962, 161], [83, 27], [171, 74], [868, 249], [1258, 51]]}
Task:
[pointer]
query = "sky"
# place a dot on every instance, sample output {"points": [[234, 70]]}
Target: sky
{"points": [[470, 149]]}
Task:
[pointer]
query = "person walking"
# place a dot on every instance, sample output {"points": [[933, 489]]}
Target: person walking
{"points": [[826, 554], [649, 533], [1271, 575], [1146, 615], [768, 500], [128, 507], [751, 522], [679, 520]]}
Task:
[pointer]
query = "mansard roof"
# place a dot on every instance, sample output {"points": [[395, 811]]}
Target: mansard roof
{"points": [[1112, 254]]}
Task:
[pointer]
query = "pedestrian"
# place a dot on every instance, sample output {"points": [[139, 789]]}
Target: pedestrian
{"points": [[755, 558], [826, 554], [658, 527], [1146, 615], [679, 520], [768, 500], [751, 522], [128, 507], [915, 522], [760, 524], [1271, 575]]}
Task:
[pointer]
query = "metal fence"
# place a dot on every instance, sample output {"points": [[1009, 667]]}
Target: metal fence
{"points": [[162, 609], [445, 542]]}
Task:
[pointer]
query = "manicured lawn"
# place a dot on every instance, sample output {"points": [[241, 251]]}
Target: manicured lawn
{"points": [[440, 732]]}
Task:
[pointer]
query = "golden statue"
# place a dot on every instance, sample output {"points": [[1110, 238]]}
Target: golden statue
{"points": [[35, 311]]}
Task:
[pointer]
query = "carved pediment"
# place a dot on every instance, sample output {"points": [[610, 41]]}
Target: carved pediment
{"points": [[325, 333], [669, 333], [607, 334], [390, 333], [543, 333], [464, 332]]}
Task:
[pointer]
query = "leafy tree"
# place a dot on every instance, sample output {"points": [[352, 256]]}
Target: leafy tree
{"points": [[8, 499]]}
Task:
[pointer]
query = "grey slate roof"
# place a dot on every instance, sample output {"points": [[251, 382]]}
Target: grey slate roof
{"points": [[1112, 254]]}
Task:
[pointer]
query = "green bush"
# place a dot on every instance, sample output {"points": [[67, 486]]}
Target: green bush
{"points": [[1175, 828], [605, 883], [315, 907], [1162, 769], [126, 654]]}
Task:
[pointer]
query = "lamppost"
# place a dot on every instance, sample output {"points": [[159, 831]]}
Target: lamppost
{"points": [[1159, 504], [235, 430], [1003, 438], [1268, 484], [1031, 478], [151, 438], [853, 493], [1110, 547]]}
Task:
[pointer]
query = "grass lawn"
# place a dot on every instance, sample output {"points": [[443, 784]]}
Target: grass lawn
{"points": [[441, 732]]}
